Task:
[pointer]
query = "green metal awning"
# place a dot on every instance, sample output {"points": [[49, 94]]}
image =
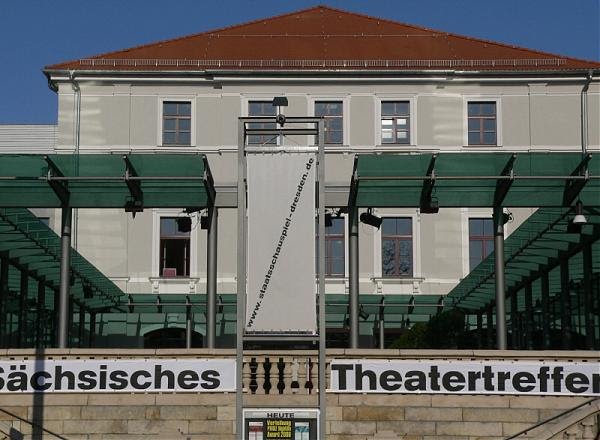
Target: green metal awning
{"points": [[475, 180], [33, 247], [131, 181], [537, 245]]}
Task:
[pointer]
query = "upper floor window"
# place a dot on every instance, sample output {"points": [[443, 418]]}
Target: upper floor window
{"points": [[177, 123], [174, 246], [396, 247], [395, 122], [262, 108], [482, 127], [333, 113], [481, 240], [334, 248]]}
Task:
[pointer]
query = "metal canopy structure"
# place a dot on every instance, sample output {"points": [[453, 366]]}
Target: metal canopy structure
{"points": [[537, 245], [131, 181], [32, 247], [475, 180]]}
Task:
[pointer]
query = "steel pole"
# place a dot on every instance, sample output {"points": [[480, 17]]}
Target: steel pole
{"points": [[3, 297], [529, 316], [500, 288], [588, 303], [92, 329], [545, 310], [211, 277], [353, 275], [40, 306], [241, 277], [188, 326], [565, 305], [65, 279], [514, 320], [321, 283], [22, 307]]}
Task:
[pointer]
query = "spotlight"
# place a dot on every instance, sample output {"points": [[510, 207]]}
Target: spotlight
{"points": [[369, 219], [280, 101], [432, 207], [579, 218], [363, 315], [184, 224], [204, 222], [328, 220], [280, 119]]}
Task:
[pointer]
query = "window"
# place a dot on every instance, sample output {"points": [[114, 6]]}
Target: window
{"points": [[333, 113], [177, 123], [482, 123], [481, 240], [45, 220], [174, 247], [395, 122], [262, 108], [334, 248], [396, 247]]}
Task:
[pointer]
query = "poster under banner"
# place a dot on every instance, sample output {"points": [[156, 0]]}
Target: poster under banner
{"points": [[280, 423], [461, 377], [117, 375], [281, 289]]}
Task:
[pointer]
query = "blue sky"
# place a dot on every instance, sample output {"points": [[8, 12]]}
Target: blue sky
{"points": [[35, 33]]}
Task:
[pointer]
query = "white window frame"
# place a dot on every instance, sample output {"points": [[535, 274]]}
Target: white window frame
{"points": [[412, 102], [157, 214], [161, 100], [482, 98], [416, 244], [345, 100], [465, 215]]}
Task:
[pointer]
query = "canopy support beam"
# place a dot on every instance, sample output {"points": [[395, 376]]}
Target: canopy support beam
{"points": [[426, 202], [135, 189], [500, 287], [211, 277], [65, 279], [503, 186], [574, 186], [59, 187]]}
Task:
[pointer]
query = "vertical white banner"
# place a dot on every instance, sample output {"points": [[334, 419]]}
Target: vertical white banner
{"points": [[281, 289]]}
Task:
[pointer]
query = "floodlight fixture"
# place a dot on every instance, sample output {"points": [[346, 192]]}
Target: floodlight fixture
{"points": [[370, 219], [579, 218], [280, 101], [184, 224]]}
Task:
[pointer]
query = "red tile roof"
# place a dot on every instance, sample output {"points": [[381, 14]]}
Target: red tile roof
{"points": [[324, 38]]}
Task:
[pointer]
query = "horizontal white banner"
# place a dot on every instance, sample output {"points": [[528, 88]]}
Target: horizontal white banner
{"points": [[459, 377], [117, 375]]}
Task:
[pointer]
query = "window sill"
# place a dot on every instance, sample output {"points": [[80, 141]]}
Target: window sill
{"points": [[174, 280], [396, 280], [482, 146]]}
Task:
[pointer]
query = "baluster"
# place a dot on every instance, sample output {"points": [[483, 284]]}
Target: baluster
{"points": [[287, 375], [270, 378], [246, 375], [308, 368], [260, 375], [277, 376], [295, 369]]}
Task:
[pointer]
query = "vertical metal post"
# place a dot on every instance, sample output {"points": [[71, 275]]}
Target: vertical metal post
{"points": [[241, 276], [382, 325], [565, 304], [24, 286], [479, 329], [588, 303], [514, 319], [65, 275], [490, 325], [92, 329], [500, 288], [211, 277], [41, 306], [3, 297], [528, 316], [321, 284], [545, 311], [354, 274], [188, 325]]}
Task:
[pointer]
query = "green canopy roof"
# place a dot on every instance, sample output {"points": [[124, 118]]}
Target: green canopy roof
{"points": [[475, 180], [536, 246], [105, 181], [33, 247]]}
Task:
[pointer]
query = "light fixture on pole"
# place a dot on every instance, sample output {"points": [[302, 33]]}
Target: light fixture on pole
{"points": [[579, 218], [370, 219], [280, 101]]}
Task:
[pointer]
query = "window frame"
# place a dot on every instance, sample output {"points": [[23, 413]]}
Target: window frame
{"points": [[161, 102], [263, 100], [481, 99], [157, 214], [398, 239], [412, 123], [345, 100], [480, 238], [329, 238]]}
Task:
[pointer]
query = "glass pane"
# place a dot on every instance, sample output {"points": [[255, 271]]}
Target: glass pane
{"points": [[405, 248], [402, 108], [170, 108], [401, 122], [474, 124], [404, 226], [184, 124], [184, 138], [168, 226], [489, 247], [337, 248], [474, 138], [337, 227], [335, 124], [475, 227], [488, 227], [185, 109], [388, 226], [335, 108], [337, 266], [402, 135], [168, 137], [475, 251], [169, 124], [388, 252], [388, 108], [489, 138], [336, 137], [387, 136], [320, 108], [488, 108], [387, 123], [474, 109], [489, 124]]}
